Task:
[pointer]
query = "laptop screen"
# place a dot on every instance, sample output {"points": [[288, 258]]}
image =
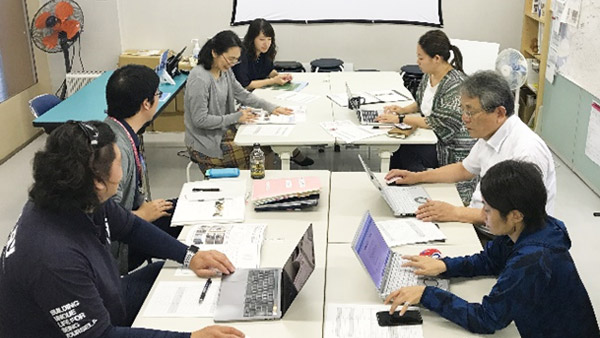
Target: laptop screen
{"points": [[372, 177], [297, 269], [371, 249]]}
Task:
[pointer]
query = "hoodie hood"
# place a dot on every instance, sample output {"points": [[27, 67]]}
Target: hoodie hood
{"points": [[553, 236]]}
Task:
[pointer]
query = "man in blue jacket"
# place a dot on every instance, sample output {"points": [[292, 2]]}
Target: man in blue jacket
{"points": [[538, 285]]}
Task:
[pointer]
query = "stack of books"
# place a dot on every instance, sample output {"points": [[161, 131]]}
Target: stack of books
{"points": [[294, 193]]}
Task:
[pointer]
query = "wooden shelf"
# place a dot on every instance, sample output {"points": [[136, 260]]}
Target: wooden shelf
{"points": [[532, 54], [535, 17]]}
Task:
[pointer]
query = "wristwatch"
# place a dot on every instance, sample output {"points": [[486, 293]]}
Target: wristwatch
{"points": [[400, 118], [191, 251]]}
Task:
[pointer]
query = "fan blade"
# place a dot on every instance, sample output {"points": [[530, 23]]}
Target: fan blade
{"points": [[71, 27], [63, 10], [40, 21], [50, 41], [58, 26]]}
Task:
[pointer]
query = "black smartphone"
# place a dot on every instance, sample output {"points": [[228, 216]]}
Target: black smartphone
{"points": [[411, 317]]}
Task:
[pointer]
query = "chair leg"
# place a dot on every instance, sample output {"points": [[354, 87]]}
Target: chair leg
{"points": [[187, 171]]}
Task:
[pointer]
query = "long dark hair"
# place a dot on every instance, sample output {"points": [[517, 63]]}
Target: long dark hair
{"points": [[436, 42], [516, 185], [220, 43], [64, 171], [254, 29]]}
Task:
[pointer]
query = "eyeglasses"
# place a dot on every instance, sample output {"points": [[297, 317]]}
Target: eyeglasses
{"points": [[90, 131], [158, 93], [232, 62], [470, 114]]}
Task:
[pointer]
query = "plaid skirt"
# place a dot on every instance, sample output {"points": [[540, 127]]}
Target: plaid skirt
{"points": [[233, 156]]}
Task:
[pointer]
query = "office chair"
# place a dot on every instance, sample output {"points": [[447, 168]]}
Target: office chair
{"points": [[40, 104], [326, 65]]}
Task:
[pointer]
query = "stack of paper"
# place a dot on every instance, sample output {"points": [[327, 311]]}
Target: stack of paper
{"points": [[210, 202], [286, 193], [350, 132], [298, 115], [409, 231], [359, 321]]}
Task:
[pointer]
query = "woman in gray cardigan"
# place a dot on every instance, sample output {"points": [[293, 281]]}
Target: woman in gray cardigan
{"points": [[210, 113]]}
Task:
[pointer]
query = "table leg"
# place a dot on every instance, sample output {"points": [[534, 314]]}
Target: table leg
{"points": [[385, 154], [285, 154]]}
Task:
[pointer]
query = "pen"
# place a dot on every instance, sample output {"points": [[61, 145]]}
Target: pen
{"points": [[206, 189], [597, 214], [204, 290]]}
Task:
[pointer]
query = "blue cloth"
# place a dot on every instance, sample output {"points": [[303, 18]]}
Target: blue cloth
{"points": [[250, 69], [58, 277], [538, 288]]}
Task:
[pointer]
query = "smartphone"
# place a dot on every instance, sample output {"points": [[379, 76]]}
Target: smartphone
{"points": [[411, 317], [402, 126]]}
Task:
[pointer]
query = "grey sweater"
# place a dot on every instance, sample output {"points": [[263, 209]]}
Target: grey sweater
{"points": [[206, 120]]}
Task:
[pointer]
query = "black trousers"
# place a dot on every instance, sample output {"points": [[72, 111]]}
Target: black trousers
{"points": [[414, 157]]}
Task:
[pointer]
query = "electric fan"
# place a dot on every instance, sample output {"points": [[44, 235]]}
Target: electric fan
{"points": [[55, 28], [511, 64]]}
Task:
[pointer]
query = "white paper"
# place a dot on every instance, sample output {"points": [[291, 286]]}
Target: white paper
{"points": [[182, 299], [389, 96], [224, 206], [281, 130], [296, 97], [409, 231], [573, 11], [348, 131], [592, 144], [298, 115], [360, 321]]}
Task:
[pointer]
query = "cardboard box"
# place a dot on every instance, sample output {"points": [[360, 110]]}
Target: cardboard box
{"points": [[179, 107], [149, 58], [169, 122]]}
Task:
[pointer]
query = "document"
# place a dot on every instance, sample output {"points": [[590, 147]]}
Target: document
{"points": [[409, 231], [298, 115], [182, 299], [350, 132], [281, 130], [290, 86], [210, 202], [360, 321], [295, 97]]}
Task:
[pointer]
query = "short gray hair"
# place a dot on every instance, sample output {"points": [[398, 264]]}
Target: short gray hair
{"points": [[491, 89]]}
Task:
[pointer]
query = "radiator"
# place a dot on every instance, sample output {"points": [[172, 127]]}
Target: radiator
{"points": [[77, 80]]}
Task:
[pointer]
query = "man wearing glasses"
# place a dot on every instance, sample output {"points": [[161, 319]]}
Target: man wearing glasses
{"points": [[487, 105], [132, 97]]}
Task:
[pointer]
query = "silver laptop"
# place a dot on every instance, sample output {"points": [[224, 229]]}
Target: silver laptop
{"points": [[365, 116], [384, 265], [266, 293], [403, 200]]}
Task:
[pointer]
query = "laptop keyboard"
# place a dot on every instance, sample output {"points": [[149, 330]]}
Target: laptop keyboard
{"points": [[398, 276], [367, 116], [403, 201], [261, 293]]}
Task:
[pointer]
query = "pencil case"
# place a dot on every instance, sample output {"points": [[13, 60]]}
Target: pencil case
{"points": [[222, 172]]}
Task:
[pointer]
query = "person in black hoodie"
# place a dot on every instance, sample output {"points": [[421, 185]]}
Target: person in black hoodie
{"points": [[538, 285]]}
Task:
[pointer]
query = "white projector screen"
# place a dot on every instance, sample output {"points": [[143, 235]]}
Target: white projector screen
{"points": [[420, 12]]}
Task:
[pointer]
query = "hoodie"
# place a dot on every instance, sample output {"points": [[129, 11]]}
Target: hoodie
{"points": [[538, 287]]}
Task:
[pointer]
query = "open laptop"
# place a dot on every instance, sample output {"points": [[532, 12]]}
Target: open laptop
{"points": [[266, 293], [384, 265], [365, 116], [403, 200]]}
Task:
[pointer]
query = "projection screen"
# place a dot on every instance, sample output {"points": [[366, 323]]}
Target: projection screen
{"points": [[419, 12]]}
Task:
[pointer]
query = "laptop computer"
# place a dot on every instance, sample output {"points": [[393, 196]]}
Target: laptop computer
{"points": [[266, 293], [403, 200], [365, 116], [384, 265]]}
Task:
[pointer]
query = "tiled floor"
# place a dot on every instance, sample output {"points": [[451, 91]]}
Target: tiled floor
{"points": [[574, 205]]}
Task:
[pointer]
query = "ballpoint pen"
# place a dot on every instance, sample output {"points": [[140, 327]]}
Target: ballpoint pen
{"points": [[206, 189], [205, 290]]}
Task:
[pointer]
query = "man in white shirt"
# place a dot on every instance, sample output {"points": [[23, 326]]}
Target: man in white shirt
{"points": [[487, 105]]}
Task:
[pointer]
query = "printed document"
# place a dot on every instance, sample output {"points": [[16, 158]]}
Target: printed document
{"points": [[295, 97], [263, 117], [349, 131], [360, 321], [182, 299], [398, 232]]}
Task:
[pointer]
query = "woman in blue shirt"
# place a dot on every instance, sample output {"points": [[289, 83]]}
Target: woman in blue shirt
{"points": [[256, 70], [538, 286]]}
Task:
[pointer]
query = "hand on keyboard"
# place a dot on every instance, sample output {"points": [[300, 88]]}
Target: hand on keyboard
{"points": [[425, 265]]}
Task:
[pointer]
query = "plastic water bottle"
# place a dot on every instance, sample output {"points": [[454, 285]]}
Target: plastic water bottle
{"points": [[257, 162], [195, 51]]}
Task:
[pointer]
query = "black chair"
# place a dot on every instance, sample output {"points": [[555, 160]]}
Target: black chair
{"points": [[288, 67], [412, 76], [326, 65]]}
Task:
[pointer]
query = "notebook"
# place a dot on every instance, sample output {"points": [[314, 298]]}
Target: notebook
{"points": [[403, 200], [266, 293], [221, 201], [285, 189], [383, 265]]}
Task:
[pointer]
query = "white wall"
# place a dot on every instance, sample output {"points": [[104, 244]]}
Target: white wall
{"points": [[115, 25]]}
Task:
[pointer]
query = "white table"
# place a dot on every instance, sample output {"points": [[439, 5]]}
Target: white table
{"points": [[323, 109], [352, 193], [284, 229]]}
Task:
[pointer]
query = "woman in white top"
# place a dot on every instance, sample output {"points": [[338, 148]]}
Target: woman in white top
{"points": [[438, 102]]}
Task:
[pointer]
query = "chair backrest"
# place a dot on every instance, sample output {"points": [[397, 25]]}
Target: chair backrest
{"points": [[42, 103], [325, 65]]}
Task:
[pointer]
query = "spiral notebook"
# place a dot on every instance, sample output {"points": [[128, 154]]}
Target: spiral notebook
{"points": [[285, 190]]}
